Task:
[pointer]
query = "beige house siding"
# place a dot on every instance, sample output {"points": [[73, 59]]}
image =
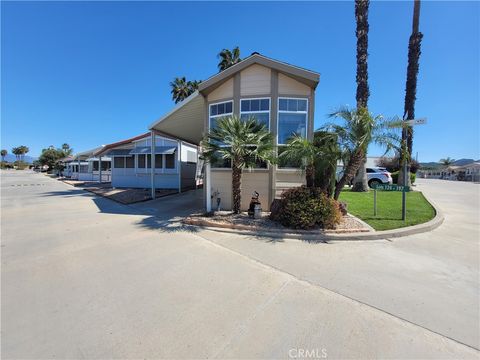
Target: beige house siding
{"points": [[221, 181], [289, 86], [255, 80], [222, 92], [286, 179]]}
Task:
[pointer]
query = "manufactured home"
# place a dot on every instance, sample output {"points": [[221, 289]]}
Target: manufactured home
{"points": [[278, 94], [174, 162], [85, 166]]}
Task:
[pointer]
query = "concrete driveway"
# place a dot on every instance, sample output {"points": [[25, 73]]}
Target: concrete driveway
{"points": [[84, 277]]}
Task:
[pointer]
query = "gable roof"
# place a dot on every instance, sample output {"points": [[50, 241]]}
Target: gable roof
{"points": [[305, 76], [107, 147]]}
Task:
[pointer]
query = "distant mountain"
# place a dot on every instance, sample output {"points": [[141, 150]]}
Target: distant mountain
{"points": [[461, 162], [430, 165], [436, 165], [27, 159]]}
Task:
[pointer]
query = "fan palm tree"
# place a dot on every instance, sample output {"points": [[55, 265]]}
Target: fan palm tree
{"points": [[228, 58], [181, 88], [243, 142], [447, 161], [363, 92], [3, 153], [326, 164], [302, 151], [359, 129]]}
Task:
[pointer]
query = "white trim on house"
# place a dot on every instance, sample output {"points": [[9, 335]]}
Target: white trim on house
{"points": [[291, 112], [259, 111], [219, 115]]}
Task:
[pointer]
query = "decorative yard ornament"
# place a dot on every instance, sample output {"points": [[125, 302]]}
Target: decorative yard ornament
{"points": [[255, 208]]}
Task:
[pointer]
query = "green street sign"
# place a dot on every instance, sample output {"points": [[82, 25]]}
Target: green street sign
{"points": [[388, 187]]}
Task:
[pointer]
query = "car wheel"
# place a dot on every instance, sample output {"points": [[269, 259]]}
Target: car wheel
{"points": [[374, 182]]}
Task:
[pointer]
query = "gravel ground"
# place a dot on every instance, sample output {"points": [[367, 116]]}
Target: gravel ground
{"points": [[348, 223]]}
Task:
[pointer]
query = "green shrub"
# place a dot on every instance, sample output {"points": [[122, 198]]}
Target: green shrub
{"points": [[306, 208], [395, 177]]}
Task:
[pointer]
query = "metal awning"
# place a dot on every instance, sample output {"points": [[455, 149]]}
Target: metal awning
{"points": [[119, 152], [104, 158], [158, 150]]}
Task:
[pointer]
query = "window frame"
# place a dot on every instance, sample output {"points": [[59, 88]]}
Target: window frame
{"points": [[291, 112], [269, 111], [221, 115]]}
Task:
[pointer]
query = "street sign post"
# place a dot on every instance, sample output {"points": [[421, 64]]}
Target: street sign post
{"points": [[405, 124], [391, 187]]}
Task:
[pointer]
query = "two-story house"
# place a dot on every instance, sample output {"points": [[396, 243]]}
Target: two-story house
{"points": [[278, 94]]}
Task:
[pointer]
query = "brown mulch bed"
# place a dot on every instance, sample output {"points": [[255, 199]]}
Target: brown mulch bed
{"points": [[225, 219]]}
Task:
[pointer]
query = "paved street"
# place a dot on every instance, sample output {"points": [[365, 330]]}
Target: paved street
{"points": [[84, 277]]}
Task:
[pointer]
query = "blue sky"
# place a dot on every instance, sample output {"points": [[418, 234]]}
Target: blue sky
{"points": [[91, 73]]}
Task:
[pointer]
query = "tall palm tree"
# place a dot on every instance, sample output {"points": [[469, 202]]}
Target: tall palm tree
{"points": [[359, 129], [411, 87], [363, 92], [447, 161], [181, 88], [228, 58], [3, 153], [23, 150], [244, 143], [17, 152]]}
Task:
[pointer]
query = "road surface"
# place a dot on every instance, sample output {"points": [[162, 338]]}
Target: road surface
{"points": [[84, 277]]}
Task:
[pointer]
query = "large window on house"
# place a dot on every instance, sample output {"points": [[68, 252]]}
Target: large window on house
{"points": [[118, 162], [121, 162], [144, 161], [130, 162], [169, 161], [257, 108], [292, 118], [218, 111]]}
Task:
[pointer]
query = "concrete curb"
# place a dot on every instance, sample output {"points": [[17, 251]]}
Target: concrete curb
{"points": [[352, 236]]}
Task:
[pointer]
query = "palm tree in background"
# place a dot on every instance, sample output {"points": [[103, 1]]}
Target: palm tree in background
{"points": [[359, 129], [181, 88], [363, 92], [411, 89], [228, 58], [23, 150], [67, 150], [244, 143], [3, 153], [447, 161]]}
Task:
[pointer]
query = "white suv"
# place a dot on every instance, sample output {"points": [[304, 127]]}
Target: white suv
{"points": [[377, 175]]}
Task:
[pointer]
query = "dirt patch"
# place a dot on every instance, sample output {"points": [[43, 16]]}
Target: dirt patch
{"points": [[227, 220]]}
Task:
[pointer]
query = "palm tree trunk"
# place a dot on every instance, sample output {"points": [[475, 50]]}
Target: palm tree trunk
{"points": [[236, 186], [360, 183], [411, 85], [361, 16], [310, 176], [363, 92], [353, 164]]}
